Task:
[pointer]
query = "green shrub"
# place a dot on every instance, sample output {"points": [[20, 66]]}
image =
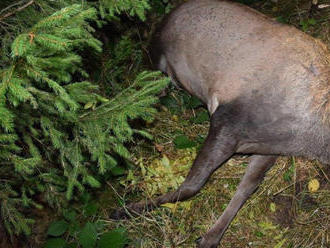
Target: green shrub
{"points": [[58, 133]]}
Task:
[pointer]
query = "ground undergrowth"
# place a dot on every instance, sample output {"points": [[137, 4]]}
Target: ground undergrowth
{"points": [[290, 209]]}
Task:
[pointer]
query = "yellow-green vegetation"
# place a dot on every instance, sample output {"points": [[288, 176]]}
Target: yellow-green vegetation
{"points": [[284, 212]]}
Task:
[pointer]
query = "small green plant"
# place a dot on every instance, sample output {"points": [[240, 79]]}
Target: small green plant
{"points": [[305, 24], [183, 142], [287, 176], [283, 19], [178, 101], [80, 230], [201, 117], [67, 233]]}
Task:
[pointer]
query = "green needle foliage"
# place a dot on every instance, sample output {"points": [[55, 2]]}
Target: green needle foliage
{"points": [[58, 134], [110, 8]]}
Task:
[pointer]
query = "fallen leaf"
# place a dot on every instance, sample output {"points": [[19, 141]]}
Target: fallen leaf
{"points": [[272, 207], [313, 185], [159, 148]]}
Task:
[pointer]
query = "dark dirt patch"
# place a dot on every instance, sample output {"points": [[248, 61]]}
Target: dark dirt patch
{"points": [[283, 215]]}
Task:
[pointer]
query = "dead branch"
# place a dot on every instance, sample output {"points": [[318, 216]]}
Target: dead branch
{"points": [[11, 6], [16, 10]]}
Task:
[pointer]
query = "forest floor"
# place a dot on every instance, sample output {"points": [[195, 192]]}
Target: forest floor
{"points": [[286, 211]]}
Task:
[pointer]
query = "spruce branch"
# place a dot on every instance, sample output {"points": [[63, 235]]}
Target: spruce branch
{"points": [[57, 135]]}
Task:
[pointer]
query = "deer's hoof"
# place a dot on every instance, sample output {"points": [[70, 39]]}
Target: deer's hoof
{"points": [[198, 242], [202, 243]]}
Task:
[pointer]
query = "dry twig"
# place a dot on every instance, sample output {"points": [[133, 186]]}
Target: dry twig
{"points": [[16, 10]]}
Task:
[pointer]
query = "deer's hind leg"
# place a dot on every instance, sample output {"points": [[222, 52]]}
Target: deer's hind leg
{"points": [[253, 176]]}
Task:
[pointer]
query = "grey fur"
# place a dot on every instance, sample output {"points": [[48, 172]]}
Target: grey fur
{"points": [[266, 86]]}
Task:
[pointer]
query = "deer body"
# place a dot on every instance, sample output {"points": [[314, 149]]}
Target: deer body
{"points": [[226, 53], [266, 86]]}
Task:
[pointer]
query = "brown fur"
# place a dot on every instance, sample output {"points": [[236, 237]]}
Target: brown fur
{"points": [[314, 56], [320, 89]]}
